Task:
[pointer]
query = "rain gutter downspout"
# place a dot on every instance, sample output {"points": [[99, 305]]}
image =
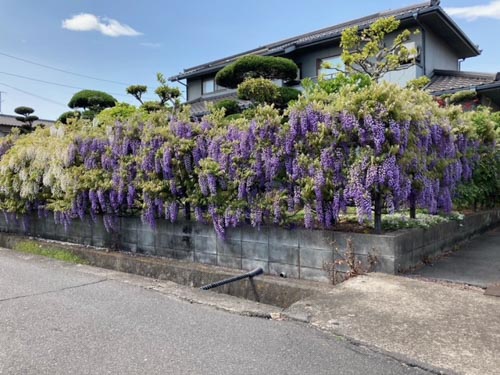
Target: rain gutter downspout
{"points": [[415, 17]]}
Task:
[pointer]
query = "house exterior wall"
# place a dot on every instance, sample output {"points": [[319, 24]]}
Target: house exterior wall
{"points": [[401, 77], [308, 60], [438, 55], [193, 88]]}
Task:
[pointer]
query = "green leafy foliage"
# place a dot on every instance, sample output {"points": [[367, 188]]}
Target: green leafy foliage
{"points": [[258, 90], [418, 83], [92, 100], [366, 52], [120, 112], [151, 106], [286, 95], [461, 96], [26, 118], [357, 80], [484, 188], [36, 248], [231, 106], [69, 116], [137, 91], [253, 66]]}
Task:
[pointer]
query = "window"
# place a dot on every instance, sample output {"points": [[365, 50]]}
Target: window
{"points": [[208, 86], [332, 62]]}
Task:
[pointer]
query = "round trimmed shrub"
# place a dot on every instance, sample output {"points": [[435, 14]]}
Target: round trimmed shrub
{"points": [[256, 67], [258, 90]]}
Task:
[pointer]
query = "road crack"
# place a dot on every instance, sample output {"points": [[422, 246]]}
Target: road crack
{"points": [[53, 291]]}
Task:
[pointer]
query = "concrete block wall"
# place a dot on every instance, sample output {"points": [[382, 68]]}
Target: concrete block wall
{"points": [[298, 253]]}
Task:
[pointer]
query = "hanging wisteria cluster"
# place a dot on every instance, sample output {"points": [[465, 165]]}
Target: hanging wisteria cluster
{"points": [[260, 171]]}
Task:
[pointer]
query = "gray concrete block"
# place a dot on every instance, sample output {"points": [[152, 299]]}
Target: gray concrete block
{"points": [[284, 254], [280, 236], [255, 250], [228, 261], [249, 233], [233, 234], [146, 239], [315, 258], [100, 237], [251, 264], [4, 226], [200, 229], [128, 229], [289, 270], [228, 247], [205, 258], [314, 274], [130, 223], [205, 244], [166, 227], [127, 246], [176, 254], [79, 232], [175, 242], [318, 239], [364, 243]]}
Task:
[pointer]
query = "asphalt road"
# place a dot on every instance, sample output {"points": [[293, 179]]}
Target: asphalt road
{"points": [[57, 319]]}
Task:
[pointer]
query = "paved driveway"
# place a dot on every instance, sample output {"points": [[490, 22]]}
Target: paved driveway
{"points": [[477, 262]]}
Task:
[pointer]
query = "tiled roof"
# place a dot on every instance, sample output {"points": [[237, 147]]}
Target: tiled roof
{"points": [[9, 120], [318, 36], [443, 81], [199, 105]]}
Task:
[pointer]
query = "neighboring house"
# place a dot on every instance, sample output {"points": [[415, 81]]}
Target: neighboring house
{"points": [[8, 122], [485, 85], [441, 46]]}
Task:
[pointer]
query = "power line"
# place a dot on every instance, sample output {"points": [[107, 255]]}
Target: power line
{"points": [[64, 71], [35, 95], [57, 84]]}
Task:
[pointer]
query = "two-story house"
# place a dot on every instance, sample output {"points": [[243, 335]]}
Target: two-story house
{"points": [[441, 46]]}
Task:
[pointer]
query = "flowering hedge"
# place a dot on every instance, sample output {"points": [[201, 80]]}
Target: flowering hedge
{"points": [[381, 148]]}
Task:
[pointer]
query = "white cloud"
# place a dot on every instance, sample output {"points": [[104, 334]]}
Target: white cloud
{"points": [[151, 45], [472, 13], [106, 26]]}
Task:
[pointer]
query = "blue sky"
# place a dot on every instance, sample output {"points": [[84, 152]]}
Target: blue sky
{"points": [[129, 41]]}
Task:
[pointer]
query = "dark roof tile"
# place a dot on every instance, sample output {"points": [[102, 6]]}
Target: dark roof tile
{"points": [[10, 120], [444, 81], [199, 105]]}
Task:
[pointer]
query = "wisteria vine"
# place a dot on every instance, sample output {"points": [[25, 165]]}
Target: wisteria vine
{"points": [[261, 171]]}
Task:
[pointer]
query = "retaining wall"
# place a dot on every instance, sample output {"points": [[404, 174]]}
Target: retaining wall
{"points": [[297, 253]]}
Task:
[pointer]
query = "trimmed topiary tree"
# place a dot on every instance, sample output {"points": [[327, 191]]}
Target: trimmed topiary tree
{"points": [[256, 67], [26, 118], [137, 91], [92, 101]]}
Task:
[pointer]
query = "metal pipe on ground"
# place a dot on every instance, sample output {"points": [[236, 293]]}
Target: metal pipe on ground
{"points": [[250, 275]]}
